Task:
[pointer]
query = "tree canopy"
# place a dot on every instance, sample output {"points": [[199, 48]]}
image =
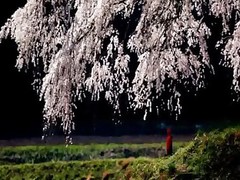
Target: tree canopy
{"points": [[110, 48]]}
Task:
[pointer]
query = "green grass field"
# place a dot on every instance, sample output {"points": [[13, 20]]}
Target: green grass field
{"points": [[214, 155], [39, 154]]}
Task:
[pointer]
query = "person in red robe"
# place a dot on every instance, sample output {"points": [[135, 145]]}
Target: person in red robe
{"points": [[169, 150]]}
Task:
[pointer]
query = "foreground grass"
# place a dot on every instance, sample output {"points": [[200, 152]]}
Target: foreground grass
{"points": [[214, 155], [59, 170], [140, 168]]}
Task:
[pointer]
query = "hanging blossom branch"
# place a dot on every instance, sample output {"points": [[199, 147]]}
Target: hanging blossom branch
{"points": [[81, 49], [230, 13], [159, 48], [232, 58]]}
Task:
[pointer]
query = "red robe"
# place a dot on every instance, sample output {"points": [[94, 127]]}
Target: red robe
{"points": [[169, 142]]}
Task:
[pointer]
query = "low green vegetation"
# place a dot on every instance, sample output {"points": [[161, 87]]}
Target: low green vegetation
{"points": [[39, 154], [213, 155]]}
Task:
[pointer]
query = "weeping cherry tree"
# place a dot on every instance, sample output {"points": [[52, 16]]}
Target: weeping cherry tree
{"points": [[74, 47]]}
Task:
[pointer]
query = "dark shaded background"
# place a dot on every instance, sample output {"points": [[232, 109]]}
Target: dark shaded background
{"points": [[21, 111]]}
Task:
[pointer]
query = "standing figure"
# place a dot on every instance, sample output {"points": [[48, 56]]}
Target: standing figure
{"points": [[169, 142]]}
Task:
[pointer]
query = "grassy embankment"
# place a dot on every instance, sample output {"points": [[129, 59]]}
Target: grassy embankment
{"points": [[215, 155]]}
